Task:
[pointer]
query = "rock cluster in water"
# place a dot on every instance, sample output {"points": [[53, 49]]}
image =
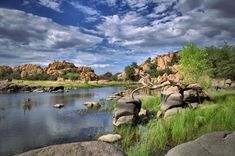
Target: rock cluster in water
{"points": [[13, 88]]}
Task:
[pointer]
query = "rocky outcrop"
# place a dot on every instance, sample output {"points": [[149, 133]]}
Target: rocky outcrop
{"points": [[91, 148], [167, 63], [26, 70], [212, 144], [6, 69], [57, 67], [164, 61], [126, 111]]}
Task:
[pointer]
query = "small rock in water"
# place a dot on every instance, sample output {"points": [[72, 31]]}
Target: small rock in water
{"points": [[58, 105], [92, 104], [110, 138]]}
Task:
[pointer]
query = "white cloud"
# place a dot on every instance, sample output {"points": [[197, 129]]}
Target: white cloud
{"points": [[53, 4], [100, 65], [85, 9]]}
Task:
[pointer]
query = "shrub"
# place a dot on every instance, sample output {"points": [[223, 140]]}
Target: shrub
{"points": [[194, 65]]}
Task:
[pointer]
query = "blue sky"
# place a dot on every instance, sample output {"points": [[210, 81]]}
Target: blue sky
{"points": [[109, 34]]}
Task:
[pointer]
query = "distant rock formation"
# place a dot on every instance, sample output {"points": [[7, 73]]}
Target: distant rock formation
{"points": [[55, 69], [28, 70], [106, 76], [58, 67], [6, 69]]}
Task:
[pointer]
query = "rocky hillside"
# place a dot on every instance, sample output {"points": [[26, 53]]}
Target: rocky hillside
{"points": [[55, 70], [164, 66]]}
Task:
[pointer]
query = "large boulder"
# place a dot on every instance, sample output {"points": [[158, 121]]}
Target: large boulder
{"points": [[92, 148], [126, 111], [212, 144], [170, 100]]}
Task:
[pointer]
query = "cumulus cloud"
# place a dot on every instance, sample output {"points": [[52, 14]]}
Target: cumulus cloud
{"points": [[172, 29], [25, 33]]}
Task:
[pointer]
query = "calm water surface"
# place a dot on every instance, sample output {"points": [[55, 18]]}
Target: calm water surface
{"points": [[24, 128]]}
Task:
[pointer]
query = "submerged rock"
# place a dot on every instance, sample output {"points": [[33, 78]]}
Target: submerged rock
{"points": [[212, 144], [110, 138], [91, 148]]}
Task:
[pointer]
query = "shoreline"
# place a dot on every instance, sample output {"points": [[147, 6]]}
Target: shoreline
{"points": [[17, 86]]}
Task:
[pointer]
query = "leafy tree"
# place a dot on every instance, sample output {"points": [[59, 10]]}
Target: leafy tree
{"points": [[194, 65], [134, 65], [153, 70], [130, 71], [221, 61]]}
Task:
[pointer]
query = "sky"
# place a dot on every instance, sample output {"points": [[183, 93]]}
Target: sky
{"points": [[107, 35]]}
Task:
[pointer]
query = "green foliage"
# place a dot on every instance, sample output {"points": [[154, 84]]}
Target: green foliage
{"points": [[134, 65], [194, 65], [168, 71], [115, 78], [72, 76], [130, 71], [222, 61], [153, 70]]}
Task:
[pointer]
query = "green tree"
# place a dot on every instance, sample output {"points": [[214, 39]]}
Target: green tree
{"points": [[153, 70], [222, 61], [72, 76], [194, 65], [130, 71]]}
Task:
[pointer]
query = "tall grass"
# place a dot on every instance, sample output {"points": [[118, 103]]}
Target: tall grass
{"points": [[152, 103], [160, 135]]}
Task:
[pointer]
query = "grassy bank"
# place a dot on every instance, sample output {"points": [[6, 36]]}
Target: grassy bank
{"points": [[74, 84], [160, 135]]}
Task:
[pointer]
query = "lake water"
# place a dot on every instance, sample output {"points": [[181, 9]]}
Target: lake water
{"points": [[23, 128]]}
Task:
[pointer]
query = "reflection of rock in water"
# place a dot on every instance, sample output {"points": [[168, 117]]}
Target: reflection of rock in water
{"points": [[27, 104], [90, 133], [2, 112]]}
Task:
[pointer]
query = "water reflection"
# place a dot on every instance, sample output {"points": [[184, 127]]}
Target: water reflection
{"points": [[28, 124]]}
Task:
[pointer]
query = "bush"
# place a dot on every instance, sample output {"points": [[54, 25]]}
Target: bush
{"points": [[194, 65], [72, 76], [153, 70]]}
